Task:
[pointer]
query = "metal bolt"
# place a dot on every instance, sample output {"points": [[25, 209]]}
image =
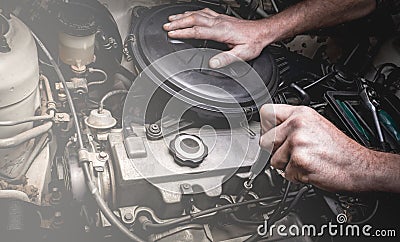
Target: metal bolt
{"points": [[60, 116], [55, 196], [186, 186], [154, 128], [372, 93], [103, 155], [62, 97], [128, 217], [248, 185]]}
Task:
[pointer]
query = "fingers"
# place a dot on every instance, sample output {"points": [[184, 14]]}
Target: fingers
{"points": [[267, 118], [292, 168], [209, 12], [226, 58], [281, 156], [186, 15], [272, 115], [295, 174], [188, 22], [281, 127], [195, 32], [189, 19], [267, 141], [192, 25], [274, 139]]}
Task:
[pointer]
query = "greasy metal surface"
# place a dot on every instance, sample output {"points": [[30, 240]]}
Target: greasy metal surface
{"points": [[39, 175], [228, 154]]}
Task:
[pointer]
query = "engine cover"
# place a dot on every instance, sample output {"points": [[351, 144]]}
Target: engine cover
{"points": [[229, 152]]}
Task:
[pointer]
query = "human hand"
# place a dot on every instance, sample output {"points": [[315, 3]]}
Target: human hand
{"points": [[310, 149], [246, 38]]}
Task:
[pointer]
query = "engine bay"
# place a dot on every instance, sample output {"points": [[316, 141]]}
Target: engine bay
{"points": [[112, 131]]}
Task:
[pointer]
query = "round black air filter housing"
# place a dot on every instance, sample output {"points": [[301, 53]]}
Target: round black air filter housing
{"points": [[151, 43]]}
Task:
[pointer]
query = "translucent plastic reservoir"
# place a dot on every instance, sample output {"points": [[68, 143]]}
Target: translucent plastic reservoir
{"points": [[76, 50]]}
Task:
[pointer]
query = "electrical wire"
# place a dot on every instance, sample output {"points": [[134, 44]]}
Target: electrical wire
{"points": [[299, 195], [108, 95], [381, 68], [283, 201], [194, 216], [251, 222], [85, 166], [270, 204], [319, 80], [370, 216]]}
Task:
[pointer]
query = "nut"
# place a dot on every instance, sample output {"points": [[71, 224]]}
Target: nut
{"points": [[128, 217], [103, 155], [154, 128]]}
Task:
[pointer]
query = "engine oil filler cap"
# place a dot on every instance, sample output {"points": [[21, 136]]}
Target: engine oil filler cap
{"points": [[188, 150]]}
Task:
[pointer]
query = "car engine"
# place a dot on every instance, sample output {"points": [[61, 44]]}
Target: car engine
{"points": [[112, 131]]}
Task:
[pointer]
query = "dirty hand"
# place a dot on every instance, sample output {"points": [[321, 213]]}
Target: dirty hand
{"points": [[310, 149], [246, 38]]}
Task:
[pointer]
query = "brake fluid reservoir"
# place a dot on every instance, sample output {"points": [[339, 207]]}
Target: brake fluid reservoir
{"points": [[77, 36], [19, 81]]}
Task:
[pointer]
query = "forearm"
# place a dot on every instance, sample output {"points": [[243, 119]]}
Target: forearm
{"points": [[383, 172], [314, 14]]}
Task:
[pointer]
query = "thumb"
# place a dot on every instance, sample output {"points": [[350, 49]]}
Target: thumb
{"points": [[225, 58]]}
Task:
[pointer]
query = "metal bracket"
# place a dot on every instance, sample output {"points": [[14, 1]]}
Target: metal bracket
{"points": [[61, 118], [125, 50], [98, 160], [187, 198], [78, 85], [128, 214]]}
